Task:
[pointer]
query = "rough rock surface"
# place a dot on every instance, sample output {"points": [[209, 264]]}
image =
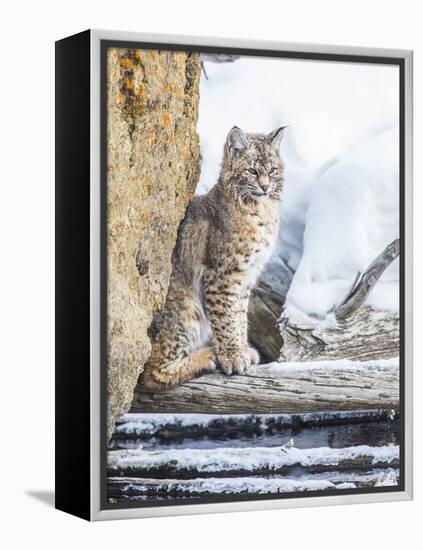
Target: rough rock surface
{"points": [[153, 166]]}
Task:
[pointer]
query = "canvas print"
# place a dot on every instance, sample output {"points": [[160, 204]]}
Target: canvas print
{"points": [[252, 292]]}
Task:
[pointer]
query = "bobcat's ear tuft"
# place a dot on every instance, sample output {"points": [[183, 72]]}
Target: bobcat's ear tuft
{"points": [[236, 140], [276, 136]]}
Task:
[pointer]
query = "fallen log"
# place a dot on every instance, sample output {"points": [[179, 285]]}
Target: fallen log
{"points": [[360, 333], [265, 307], [366, 335], [124, 488], [134, 488], [194, 426], [250, 461], [282, 388]]}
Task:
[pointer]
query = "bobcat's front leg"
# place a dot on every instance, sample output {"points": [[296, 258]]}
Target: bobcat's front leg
{"points": [[228, 318], [254, 356]]}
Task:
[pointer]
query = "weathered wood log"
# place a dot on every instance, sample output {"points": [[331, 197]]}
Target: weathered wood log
{"points": [[195, 426], [366, 335], [241, 462], [361, 332], [132, 487], [265, 307], [357, 428], [282, 388]]}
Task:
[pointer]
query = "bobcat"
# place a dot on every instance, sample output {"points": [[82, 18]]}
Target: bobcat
{"points": [[223, 243]]}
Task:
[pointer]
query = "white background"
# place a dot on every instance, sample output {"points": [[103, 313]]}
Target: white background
{"points": [[26, 291]]}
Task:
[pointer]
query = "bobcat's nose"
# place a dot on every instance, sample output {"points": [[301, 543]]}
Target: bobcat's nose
{"points": [[264, 183]]}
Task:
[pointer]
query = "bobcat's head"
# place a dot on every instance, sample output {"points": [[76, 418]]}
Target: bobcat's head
{"points": [[252, 165]]}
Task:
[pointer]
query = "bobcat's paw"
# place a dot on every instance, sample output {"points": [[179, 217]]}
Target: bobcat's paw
{"points": [[211, 365], [234, 363]]}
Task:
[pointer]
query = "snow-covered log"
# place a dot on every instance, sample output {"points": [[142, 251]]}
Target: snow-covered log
{"points": [[360, 332], [248, 461], [373, 334], [169, 426], [139, 488], [134, 488], [282, 388]]}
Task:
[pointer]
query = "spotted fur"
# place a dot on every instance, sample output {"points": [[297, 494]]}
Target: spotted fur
{"points": [[223, 243]]}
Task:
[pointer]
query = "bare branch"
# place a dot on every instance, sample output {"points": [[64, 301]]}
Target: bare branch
{"points": [[204, 70], [219, 57], [353, 287], [355, 333], [363, 284]]}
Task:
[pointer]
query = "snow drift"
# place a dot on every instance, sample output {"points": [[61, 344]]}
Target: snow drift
{"points": [[340, 204], [353, 215]]}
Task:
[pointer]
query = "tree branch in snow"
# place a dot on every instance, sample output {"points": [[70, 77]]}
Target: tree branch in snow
{"points": [[219, 57], [363, 284], [359, 332], [216, 58]]}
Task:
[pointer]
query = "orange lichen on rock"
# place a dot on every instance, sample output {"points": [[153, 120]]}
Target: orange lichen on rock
{"points": [[128, 83], [126, 63], [166, 120], [136, 54]]}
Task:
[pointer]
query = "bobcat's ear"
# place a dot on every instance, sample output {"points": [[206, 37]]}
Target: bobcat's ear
{"points": [[276, 136], [236, 140]]}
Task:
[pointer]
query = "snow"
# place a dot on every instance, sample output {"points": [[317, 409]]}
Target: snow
{"points": [[340, 204], [255, 485], [353, 215], [223, 459], [150, 423], [335, 365], [329, 106], [387, 479], [356, 477], [319, 481]]}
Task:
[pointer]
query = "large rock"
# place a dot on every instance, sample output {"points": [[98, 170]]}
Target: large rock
{"points": [[153, 167]]}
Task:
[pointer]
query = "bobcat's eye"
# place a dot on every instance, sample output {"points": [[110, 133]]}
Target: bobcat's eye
{"points": [[272, 171], [252, 171]]}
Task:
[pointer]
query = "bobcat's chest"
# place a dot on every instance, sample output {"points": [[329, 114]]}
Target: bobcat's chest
{"points": [[263, 236]]}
